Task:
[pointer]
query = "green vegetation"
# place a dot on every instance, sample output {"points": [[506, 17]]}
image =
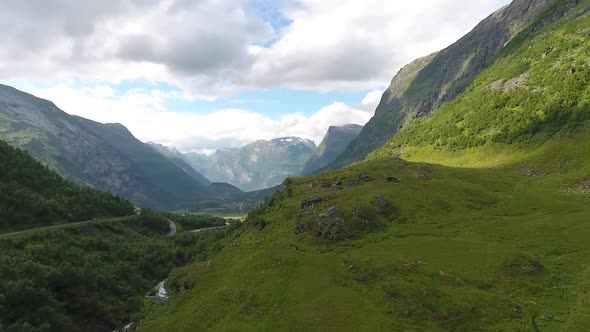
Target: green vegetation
{"points": [[93, 277], [387, 244], [537, 89], [194, 221], [433, 248], [32, 195]]}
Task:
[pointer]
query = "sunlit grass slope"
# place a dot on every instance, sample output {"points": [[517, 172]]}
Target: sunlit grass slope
{"points": [[436, 248], [484, 227]]}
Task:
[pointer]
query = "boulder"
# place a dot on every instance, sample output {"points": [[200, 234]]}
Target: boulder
{"points": [[311, 203], [331, 212], [392, 179], [382, 206], [330, 228]]}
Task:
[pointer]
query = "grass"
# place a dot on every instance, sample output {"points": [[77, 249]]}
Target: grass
{"points": [[483, 226], [467, 249]]}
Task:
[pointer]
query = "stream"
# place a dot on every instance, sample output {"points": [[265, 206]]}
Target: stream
{"points": [[158, 293]]}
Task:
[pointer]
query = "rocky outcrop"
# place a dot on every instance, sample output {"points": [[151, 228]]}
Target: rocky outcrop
{"points": [[311, 203]]}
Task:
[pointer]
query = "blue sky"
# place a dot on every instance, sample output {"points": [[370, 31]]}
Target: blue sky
{"points": [[201, 75]]}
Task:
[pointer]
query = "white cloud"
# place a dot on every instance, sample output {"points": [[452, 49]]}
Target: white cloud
{"points": [[215, 48], [144, 114]]}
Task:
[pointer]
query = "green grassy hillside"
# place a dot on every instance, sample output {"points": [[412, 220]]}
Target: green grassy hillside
{"points": [[32, 195], [539, 88], [437, 248], [486, 226]]}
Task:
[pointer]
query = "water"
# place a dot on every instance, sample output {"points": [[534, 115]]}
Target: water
{"points": [[159, 292]]}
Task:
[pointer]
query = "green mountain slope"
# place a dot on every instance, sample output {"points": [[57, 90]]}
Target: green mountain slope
{"points": [[538, 89], [31, 195], [493, 239], [426, 84], [333, 144]]}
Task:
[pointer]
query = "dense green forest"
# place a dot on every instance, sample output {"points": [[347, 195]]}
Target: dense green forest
{"points": [[94, 277], [32, 195]]}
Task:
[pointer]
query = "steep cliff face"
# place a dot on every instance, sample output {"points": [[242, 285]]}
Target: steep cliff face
{"points": [[427, 83], [335, 141]]}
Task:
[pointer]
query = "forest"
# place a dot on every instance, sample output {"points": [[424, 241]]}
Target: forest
{"points": [[32, 195]]}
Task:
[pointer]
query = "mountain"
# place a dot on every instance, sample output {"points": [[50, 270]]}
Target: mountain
{"points": [[482, 226], [333, 144], [32, 195], [181, 161], [259, 165], [427, 83], [105, 156]]}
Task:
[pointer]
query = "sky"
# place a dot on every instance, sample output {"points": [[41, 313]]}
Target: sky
{"points": [[205, 74]]}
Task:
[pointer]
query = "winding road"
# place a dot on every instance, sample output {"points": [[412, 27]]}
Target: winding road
{"points": [[210, 228], [171, 225], [60, 226]]}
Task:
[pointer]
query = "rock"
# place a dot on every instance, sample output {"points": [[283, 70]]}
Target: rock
{"points": [[382, 205], [311, 203], [312, 185], [352, 183], [299, 229], [363, 215], [358, 180], [330, 228], [530, 269], [446, 276], [422, 176], [392, 179], [331, 212], [584, 185]]}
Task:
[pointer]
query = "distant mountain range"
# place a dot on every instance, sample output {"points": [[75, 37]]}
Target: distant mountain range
{"points": [[259, 165], [264, 164], [106, 156], [109, 158]]}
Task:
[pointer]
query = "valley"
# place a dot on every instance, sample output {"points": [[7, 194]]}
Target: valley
{"points": [[461, 204]]}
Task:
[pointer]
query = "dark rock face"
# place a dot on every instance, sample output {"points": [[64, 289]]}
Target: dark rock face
{"points": [[363, 215], [299, 229], [327, 225], [392, 179], [311, 203], [331, 212], [425, 84], [382, 205], [357, 180], [329, 228]]}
